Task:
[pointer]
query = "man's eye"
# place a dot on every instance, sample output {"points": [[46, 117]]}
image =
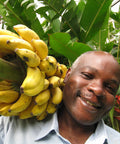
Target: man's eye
{"points": [[87, 75], [110, 88]]}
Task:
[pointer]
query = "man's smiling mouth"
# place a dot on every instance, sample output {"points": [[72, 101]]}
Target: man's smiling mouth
{"points": [[93, 104]]}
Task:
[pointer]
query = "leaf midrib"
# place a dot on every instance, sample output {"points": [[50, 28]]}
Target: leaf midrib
{"points": [[87, 33]]}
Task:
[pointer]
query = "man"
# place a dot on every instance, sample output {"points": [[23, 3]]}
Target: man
{"points": [[90, 87]]}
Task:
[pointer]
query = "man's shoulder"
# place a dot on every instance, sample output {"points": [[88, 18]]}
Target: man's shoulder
{"points": [[22, 128], [8, 123], [16, 122], [112, 131], [113, 135]]}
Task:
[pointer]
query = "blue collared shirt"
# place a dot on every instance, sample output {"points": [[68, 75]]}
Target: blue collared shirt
{"points": [[31, 131]]}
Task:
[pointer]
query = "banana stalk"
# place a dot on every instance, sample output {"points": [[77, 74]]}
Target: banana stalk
{"points": [[10, 71]]}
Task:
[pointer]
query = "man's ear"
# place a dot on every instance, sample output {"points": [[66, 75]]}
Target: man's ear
{"points": [[67, 74]]}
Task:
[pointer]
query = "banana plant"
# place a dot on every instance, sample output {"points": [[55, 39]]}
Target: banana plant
{"points": [[81, 27], [84, 22], [68, 28]]}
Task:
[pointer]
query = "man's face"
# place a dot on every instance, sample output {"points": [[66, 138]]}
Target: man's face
{"points": [[90, 88]]}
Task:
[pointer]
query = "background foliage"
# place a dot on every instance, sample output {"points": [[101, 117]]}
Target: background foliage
{"points": [[69, 29]]}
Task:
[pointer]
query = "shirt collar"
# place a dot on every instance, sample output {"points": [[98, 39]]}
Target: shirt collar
{"points": [[100, 135], [47, 126], [50, 124]]}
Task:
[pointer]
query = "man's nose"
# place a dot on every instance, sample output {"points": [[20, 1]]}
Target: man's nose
{"points": [[96, 87]]}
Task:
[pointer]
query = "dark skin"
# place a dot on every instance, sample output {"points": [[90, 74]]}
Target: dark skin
{"points": [[88, 95]]}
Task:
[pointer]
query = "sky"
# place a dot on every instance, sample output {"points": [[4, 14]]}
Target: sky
{"points": [[116, 7]]}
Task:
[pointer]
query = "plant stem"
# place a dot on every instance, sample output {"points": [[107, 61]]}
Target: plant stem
{"points": [[118, 49]]}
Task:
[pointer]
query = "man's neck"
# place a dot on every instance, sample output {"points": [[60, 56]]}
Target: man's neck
{"points": [[72, 130]]}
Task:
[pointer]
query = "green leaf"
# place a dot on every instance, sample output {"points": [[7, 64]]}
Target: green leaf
{"points": [[70, 23], [80, 8], [115, 16], [111, 115], [100, 37], [43, 12], [93, 17], [10, 16], [53, 4], [61, 43], [55, 24], [108, 47], [24, 1], [70, 4]]}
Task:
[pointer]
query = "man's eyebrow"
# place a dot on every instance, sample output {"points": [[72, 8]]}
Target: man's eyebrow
{"points": [[90, 68]]}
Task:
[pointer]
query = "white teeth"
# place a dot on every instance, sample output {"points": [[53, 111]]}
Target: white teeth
{"points": [[89, 102], [92, 104]]}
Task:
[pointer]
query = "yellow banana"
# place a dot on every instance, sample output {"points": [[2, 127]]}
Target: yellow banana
{"points": [[62, 82], [40, 48], [46, 84], [27, 112], [39, 109], [11, 42], [61, 70], [57, 95], [49, 65], [33, 77], [42, 116], [5, 87], [33, 82], [19, 26], [64, 69], [51, 108], [8, 96], [6, 113], [4, 108], [20, 43], [36, 90], [27, 34], [4, 82], [4, 41], [30, 57], [7, 32], [2, 105], [21, 104], [54, 81], [42, 97]]}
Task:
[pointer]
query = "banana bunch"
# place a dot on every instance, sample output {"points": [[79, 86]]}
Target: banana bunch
{"points": [[40, 91]]}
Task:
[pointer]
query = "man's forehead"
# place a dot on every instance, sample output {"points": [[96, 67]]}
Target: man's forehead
{"points": [[97, 56], [97, 53], [100, 57]]}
